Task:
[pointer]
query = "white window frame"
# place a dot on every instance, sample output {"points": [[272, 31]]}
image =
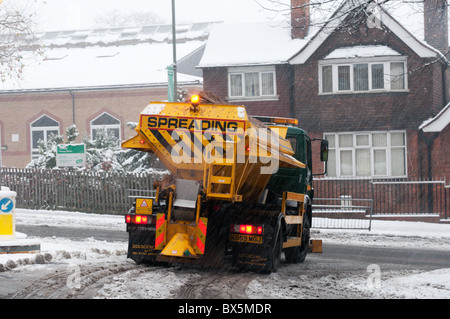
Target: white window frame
{"points": [[45, 129], [335, 63], [388, 148], [105, 127], [245, 70]]}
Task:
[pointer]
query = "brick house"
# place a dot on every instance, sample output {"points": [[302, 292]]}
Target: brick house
{"points": [[376, 88], [99, 79], [367, 89]]}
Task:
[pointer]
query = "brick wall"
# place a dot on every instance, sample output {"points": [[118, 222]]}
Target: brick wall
{"points": [[435, 152]]}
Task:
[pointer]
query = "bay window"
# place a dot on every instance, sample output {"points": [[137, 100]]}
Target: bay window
{"points": [[371, 154]]}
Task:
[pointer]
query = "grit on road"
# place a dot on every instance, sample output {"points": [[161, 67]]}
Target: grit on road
{"points": [[340, 271], [84, 256]]}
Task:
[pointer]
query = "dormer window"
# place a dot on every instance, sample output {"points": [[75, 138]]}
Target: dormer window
{"points": [[363, 69]]}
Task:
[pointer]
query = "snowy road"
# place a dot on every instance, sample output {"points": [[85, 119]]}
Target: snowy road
{"points": [[394, 260]]}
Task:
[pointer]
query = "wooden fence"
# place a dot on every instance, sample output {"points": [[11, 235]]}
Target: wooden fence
{"points": [[75, 191]]}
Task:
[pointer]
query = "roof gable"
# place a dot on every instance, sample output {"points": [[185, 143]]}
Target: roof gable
{"points": [[422, 49]]}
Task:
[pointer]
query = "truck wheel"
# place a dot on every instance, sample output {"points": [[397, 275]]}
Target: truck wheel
{"points": [[274, 256], [296, 255]]}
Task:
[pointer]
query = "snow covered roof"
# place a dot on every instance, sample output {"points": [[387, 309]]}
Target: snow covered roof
{"points": [[124, 35], [361, 51], [117, 57], [271, 43], [102, 66], [250, 44], [437, 123]]}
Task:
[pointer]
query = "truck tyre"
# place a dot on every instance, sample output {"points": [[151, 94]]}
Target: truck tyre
{"points": [[298, 254], [274, 255]]}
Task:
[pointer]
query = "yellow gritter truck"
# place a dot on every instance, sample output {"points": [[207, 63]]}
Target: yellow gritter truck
{"points": [[239, 186]]}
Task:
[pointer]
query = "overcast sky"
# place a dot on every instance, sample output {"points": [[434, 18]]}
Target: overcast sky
{"points": [[78, 14]]}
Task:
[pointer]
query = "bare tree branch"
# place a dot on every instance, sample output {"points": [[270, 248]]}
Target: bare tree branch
{"points": [[16, 36]]}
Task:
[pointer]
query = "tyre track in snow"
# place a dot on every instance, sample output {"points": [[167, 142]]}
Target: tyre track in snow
{"points": [[71, 284], [215, 284]]}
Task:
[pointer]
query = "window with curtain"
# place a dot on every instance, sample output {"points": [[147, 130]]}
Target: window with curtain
{"points": [[344, 78], [371, 154], [377, 76], [251, 83], [236, 85], [397, 76], [361, 77], [356, 77], [327, 79], [267, 83]]}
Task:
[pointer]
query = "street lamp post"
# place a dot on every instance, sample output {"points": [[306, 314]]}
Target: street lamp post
{"points": [[174, 44], [1, 149]]}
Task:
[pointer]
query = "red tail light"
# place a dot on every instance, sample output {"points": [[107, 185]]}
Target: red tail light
{"points": [[247, 229], [136, 219]]}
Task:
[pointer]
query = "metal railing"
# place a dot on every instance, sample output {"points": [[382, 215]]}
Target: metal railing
{"points": [[393, 197], [342, 213]]}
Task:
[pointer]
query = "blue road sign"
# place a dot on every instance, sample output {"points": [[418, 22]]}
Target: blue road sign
{"points": [[6, 205]]}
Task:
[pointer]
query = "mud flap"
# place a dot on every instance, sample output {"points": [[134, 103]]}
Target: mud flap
{"points": [[250, 256], [141, 246], [216, 239], [263, 257]]}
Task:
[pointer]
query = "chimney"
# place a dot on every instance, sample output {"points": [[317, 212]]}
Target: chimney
{"points": [[436, 24], [300, 18]]}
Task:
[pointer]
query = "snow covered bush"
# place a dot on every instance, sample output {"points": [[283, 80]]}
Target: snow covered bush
{"points": [[104, 154]]}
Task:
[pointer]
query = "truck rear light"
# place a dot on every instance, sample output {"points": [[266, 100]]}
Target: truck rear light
{"points": [[137, 219], [247, 229]]}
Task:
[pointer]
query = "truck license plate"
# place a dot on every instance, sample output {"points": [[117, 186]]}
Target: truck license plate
{"points": [[246, 238]]}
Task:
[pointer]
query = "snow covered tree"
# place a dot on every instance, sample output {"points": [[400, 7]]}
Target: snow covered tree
{"points": [[103, 154], [47, 152], [138, 161], [72, 134]]}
